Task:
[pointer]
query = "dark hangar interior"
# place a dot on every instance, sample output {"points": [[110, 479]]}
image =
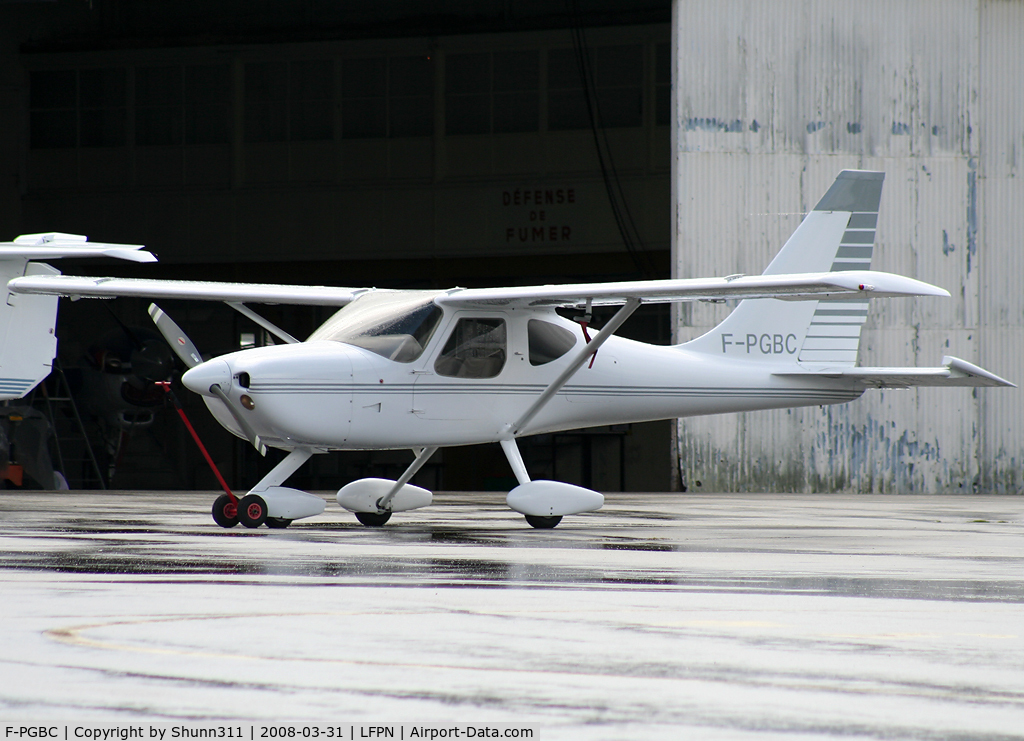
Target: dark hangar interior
{"points": [[402, 144]]}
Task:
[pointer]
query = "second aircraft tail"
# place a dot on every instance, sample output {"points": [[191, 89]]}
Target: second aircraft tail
{"points": [[28, 342]]}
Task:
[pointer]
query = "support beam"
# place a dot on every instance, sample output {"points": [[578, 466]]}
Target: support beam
{"points": [[266, 324]]}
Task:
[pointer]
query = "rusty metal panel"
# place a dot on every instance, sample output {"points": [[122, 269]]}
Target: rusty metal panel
{"points": [[771, 101]]}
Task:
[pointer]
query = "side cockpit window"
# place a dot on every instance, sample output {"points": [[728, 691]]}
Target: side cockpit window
{"points": [[476, 348], [548, 341]]}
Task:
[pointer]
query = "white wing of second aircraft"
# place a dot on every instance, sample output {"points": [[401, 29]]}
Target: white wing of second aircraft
{"points": [[53, 245], [866, 283]]}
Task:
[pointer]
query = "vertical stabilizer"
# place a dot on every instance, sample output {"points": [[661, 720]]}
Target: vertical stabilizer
{"points": [[839, 234], [27, 340], [28, 343]]}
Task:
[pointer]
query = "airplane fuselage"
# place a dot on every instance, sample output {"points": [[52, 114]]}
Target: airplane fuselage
{"points": [[332, 395]]}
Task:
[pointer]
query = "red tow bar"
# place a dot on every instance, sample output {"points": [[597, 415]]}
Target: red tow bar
{"points": [[166, 386]]}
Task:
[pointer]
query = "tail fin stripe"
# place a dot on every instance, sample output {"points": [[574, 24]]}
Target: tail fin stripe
{"points": [[866, 236], [857, 251], [850, 330], [863, 220]]}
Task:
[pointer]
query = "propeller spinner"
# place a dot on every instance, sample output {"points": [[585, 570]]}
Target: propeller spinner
{"points": [[210, 378]]}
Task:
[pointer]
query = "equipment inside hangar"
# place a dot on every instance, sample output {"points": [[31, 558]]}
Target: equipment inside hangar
{"points": [[406, 145]]}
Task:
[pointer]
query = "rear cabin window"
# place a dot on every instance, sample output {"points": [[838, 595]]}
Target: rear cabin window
{"points": [[476, 348], [548, 341]]}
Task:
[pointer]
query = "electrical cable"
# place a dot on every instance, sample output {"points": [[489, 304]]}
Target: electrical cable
{"points": [[613, 185]]}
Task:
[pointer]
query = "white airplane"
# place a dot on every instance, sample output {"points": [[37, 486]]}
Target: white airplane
{"points": [[27, 323], [428, 369]]}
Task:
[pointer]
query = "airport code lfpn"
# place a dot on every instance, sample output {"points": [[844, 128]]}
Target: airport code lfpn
{"points": [[252, 732]]}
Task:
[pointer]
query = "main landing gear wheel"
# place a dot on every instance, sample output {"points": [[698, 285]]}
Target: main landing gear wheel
{"points": [[543, 523], [225, 511], [252, 510], [277, 523], [373, 519]]}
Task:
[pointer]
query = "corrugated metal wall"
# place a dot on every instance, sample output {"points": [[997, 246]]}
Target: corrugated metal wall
{"points": [[771, 100]]}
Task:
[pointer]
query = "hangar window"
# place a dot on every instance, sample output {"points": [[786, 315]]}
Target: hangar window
{"points": [[548, 341], [207, 104], [159, 96], [102, 111], [310, 92], [497, 92], [476, 348], [410, 96], [175, 105], [364, 111], [85, 108], [387, 97], [54, 103], [288, 101], [614, 77]]}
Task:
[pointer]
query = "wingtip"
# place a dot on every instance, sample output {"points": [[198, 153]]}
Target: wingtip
{"points": [[963, 368]]}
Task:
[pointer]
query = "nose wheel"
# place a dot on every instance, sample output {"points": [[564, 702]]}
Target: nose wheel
{"points": [[225, 511], [252, 510]]}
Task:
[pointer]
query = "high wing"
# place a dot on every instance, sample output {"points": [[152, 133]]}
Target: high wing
{"points": [[823, 286], [259, 293], [952, 372]]}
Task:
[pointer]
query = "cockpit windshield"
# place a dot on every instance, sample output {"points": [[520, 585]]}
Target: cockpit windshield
{"points": [[396, 325]]}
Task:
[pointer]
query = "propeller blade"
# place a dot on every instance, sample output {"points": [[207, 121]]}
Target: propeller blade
{"points": [[177, 339], [189, 354], [247, 429]]}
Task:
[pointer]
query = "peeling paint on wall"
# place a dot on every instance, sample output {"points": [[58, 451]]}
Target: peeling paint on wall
{"points": [[928, 91]]}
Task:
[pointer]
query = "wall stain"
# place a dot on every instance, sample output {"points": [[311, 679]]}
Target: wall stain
{"points": [[972, 210]]}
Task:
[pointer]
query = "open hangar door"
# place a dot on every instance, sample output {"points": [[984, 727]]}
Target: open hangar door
{"points": [[466, 159]]}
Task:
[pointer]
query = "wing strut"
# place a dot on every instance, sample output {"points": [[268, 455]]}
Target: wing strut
{"points": [[421, 457], [265, 323], [584, 352]]}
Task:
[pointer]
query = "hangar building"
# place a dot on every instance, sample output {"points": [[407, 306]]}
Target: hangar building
{"points": [[773, 99], [432, 144]]}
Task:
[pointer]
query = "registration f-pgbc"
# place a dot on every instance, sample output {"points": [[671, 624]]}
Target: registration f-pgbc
{"points": [[259, 732]]}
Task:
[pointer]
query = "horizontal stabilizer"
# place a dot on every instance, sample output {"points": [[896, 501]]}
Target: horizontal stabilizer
{"points": [[953, 372]]}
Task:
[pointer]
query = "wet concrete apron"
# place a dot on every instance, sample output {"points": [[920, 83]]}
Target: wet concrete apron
{"points": [[714, 616]]}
